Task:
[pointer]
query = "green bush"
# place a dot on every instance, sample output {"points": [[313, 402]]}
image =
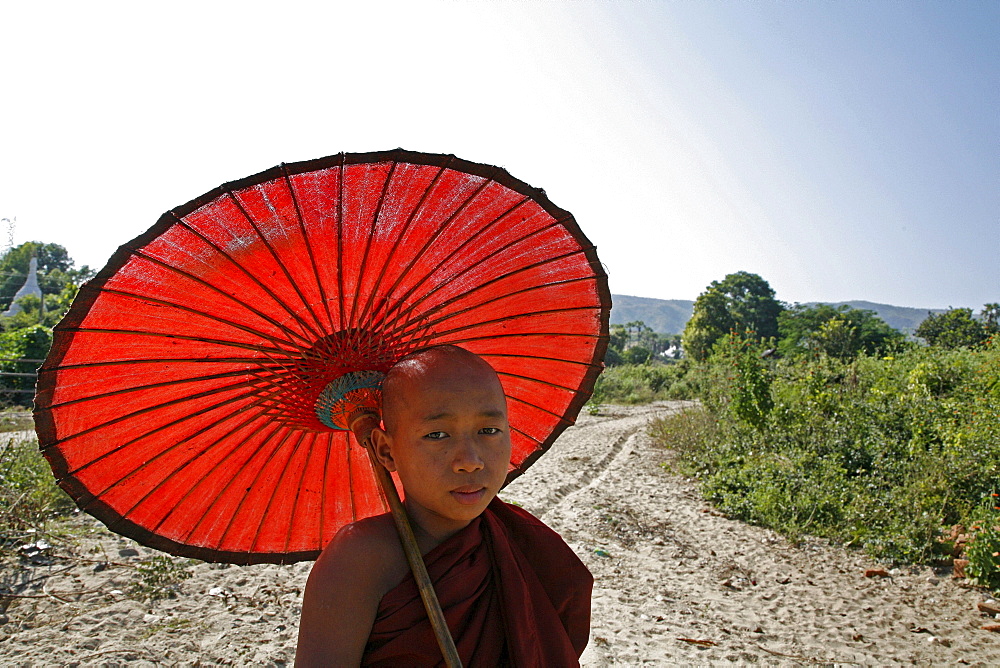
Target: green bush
{"points": [[875, 451], [639, 384], [983, 550]]}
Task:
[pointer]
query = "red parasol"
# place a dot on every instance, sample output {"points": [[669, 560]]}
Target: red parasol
{"points": [[186, 401]]}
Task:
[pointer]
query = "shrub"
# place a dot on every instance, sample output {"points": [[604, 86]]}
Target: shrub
{"points": [[878, 452], [983, 550], [637, 383], [28, 491]]}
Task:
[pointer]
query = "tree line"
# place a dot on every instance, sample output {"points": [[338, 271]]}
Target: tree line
{"points": [[745, 303]]}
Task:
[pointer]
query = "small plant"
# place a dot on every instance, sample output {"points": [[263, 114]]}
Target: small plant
{"points": [[28, 492], [159, 577], [983, 550]]}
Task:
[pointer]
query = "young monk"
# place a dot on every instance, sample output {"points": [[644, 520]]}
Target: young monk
{"points": [[512, 591]]}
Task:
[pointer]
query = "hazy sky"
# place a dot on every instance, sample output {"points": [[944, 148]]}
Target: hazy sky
{"points": [[842, 150]]}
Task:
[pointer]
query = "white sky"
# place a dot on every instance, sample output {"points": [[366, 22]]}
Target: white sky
{"points": [[841, 150]]}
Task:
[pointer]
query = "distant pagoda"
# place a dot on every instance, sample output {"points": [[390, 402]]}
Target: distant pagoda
{"points": [[30, 287]]}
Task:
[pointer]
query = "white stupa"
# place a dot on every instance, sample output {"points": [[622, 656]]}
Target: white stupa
{"points": [[30, 287]]}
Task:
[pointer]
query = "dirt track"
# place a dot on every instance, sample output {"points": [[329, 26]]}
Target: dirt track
{"points": [[676, 582]]}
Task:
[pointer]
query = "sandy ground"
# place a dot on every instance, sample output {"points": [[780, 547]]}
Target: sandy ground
{"points": [[676, 583]]}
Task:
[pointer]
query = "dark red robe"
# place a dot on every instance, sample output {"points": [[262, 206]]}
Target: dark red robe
{"points": [[512, 591]]}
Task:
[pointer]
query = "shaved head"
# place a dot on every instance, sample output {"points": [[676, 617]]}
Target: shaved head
{"points": [[434, 364]]}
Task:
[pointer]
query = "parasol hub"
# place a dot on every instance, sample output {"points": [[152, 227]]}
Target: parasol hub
{"points": [[348, 396]]}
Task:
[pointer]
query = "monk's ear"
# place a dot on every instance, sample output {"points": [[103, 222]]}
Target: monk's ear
{"points": [[382, 443]]}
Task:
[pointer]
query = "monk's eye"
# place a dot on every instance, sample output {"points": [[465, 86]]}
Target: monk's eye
{"points": [[436, 435], [489, 431]]}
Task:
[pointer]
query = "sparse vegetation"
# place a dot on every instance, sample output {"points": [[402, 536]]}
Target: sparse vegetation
{"points": [[880, 452], [159, 577], [29, 496]]}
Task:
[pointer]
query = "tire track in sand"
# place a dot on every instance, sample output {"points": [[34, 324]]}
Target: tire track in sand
{"points": [[582, 455]]}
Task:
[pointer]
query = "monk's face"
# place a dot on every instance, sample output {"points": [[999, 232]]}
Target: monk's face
{"points": [[446, 436]]}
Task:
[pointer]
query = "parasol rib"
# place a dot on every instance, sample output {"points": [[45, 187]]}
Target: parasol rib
{"points": [[179, 505], [450, 315], [438, 233], [542, 409], [235, 475], [491, 282], [179, 337], [442, 335], [277, 259], [589, 365], [222, 253], [295, 507], [457, 252], [368, 246], [340, 236], [404, 229], [155, 430], [322, 490], [290, 333], [291, 452], [160, 360], [193, 311], [260, 472], [309, 248], [153, 386], [152, 460]]}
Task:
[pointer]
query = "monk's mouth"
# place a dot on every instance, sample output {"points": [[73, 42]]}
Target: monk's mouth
{"points": [[469, 498]]}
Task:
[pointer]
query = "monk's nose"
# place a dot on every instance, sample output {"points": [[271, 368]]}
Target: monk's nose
{"points": [[467, 457]]}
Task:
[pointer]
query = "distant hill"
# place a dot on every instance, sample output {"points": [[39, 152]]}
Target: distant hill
{"points": [[668, 316], [664, 316]]}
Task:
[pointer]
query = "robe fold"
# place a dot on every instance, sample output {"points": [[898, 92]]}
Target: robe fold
{"points": [[513, 594]]}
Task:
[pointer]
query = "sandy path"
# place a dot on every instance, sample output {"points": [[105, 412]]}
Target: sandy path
{"points": [[666, 568]]}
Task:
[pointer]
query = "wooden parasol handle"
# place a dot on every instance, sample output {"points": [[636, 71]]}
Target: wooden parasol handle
{"points": [[362, 427]]}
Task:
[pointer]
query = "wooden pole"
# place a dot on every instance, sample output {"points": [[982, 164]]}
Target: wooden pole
{"points": [[362, 426]]}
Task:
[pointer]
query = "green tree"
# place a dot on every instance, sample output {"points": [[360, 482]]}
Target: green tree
{"points": [[841, 332], [990, 315], [955, 328], [613, 356], [636, 334], [741, 302], [637, 355], [31, 314]]}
